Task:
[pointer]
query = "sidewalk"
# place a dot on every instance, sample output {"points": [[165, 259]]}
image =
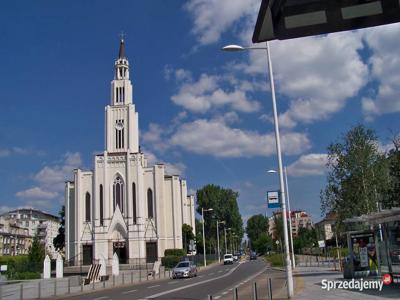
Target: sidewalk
{"points": [[245, 288], [309, 286]]}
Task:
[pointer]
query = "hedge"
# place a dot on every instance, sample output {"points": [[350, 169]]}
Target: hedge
{"points": [[174, 252], [170, 261], [276, 260]]}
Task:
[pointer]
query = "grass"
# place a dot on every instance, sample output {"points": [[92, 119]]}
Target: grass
{"points": [[276, 259]]}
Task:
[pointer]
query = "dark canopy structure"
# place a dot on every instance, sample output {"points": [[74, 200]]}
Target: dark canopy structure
{"points": [[286, 19]]}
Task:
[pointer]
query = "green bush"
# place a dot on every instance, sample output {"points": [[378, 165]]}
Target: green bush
{"points": [[276, 260], [174, 252], [26, 275], [170, 261], [19, 267]]}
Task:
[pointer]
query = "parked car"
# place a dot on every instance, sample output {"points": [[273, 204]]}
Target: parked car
{"points": [[253, 255], [235, 257], [228, 259], [184, 269]]}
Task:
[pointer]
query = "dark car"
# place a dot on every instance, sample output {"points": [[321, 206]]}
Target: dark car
{"points": [[253, 255]]}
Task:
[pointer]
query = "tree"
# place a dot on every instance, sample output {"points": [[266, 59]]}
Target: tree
{"points": [[306, 238], [278, 230], [36, 254], [263, 243], [357, 175], [225, 208], [59, 240], [187, 235], [392, 198], [257, 232]]}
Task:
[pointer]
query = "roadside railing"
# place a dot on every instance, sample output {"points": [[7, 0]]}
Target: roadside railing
{"points": [[318, 261], [258, 292], [46, 288]]}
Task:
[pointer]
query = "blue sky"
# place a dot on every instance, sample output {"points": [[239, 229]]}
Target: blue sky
{"points": [[203, 112]]}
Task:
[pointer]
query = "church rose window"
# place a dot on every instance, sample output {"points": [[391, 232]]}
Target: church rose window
{"points": [[118, 193], [87, 207], [150, 209]]}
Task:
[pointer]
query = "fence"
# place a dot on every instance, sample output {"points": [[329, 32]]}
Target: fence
{"points": [[257, 292], [318, 261], [44, 288]]}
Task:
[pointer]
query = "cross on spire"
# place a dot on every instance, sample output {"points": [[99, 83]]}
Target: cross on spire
{"points": [[122, 35]]}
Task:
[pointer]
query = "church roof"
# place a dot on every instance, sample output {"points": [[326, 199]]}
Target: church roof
{"points": [[121, 53]]}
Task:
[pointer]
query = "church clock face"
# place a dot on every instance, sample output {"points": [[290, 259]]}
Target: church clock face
{"points": [[119, 125]]}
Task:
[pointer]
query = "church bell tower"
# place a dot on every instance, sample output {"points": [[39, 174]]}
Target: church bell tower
{"points": [[122, 134]]}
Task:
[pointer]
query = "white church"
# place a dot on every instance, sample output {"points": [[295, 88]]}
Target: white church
{"points": [[124, 205]]}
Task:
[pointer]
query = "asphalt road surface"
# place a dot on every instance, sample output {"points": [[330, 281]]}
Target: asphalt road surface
{"points": [[208, 282]]}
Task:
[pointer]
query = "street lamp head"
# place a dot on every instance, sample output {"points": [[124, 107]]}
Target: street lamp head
{"points": [[233, 48], [271, 171], [209, 209]]}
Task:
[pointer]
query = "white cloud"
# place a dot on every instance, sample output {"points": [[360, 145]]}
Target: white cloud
{"points": [[309, 165], [318, 74], [206, 93], [4, 152], [385, 64], [213, 17], [217, 139], [178, 168], [53, 177], [50, 182], [36, 193]]}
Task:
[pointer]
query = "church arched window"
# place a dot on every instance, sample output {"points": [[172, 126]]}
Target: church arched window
{"points": [[150, 208], [101, 205], [134, 202], [118, 193], [87, 207]]}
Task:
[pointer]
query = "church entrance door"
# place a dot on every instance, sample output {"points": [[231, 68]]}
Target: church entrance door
{"points": [[87, 254], [151, 252], [121, 250]]}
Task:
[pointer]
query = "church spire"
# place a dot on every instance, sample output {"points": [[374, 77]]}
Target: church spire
{"points": [[121, 53]]}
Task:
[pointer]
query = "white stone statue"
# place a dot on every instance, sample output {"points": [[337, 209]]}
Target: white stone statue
{"points": [[59, 266], [103, 266], [115, 264], [46, 268]]}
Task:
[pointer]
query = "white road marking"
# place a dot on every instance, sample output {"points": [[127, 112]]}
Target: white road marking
{"points": [[217, 297], [219, 271], [201, 276], [128, 292], [153, 286], [224, 293], [211, 274], [195, 284]]}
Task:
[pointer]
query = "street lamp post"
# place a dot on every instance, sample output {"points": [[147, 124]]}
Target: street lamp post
{"points": [[204, 237], [219, 254], [290, 216], [226, 245], [280, 164]]}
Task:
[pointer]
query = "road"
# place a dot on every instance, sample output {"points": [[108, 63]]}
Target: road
{"points": [[212, 281]]}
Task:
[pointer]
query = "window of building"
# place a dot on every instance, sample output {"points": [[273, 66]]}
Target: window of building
{"points": [[87, 207], [101, 205], [150, 208], [134, 202], [118, 193]]}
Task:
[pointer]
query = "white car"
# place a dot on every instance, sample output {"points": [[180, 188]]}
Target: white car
{"points": [[228, 259]]}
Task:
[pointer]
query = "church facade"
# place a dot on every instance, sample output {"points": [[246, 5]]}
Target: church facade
{"points": [[124, 205]]}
